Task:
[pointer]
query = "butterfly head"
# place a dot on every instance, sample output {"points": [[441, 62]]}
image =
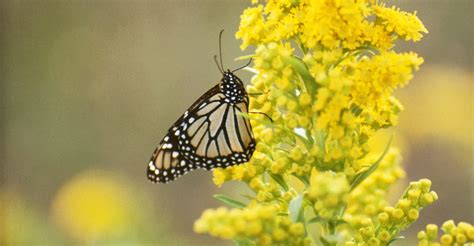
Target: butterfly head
{"points": [[232, 87]]}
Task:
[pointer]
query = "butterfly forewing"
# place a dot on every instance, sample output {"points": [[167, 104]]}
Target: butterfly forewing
{"points": [[218, 136], [211, 133]]}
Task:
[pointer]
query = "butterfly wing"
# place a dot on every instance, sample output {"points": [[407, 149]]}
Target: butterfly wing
{"points": [[167, 162], [211, 133], [216, 135]]}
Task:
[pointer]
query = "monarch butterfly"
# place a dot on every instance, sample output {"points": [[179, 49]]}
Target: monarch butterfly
{"points": [[211, 133]]}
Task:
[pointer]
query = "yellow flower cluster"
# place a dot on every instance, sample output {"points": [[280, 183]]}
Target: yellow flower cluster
{"points": [[329, 24], [462, 234], [258, 223], [325, 73], [92, 205], [388, 223], [369, 198], [329, 193]]}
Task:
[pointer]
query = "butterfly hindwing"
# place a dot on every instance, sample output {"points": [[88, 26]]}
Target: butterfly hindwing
{"points": [[167, 163]]}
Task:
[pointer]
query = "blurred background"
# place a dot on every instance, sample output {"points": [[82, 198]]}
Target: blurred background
{"points": [[88, 88]]}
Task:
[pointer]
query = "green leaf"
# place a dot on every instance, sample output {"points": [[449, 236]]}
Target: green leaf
{"points": [[251, 69], [316, 219], [300, 67], [244, 242], [306, 142], [295, 209], [331, 239], [303, 179], [247, 196], [361, 176], [395, 239], [279, 179], [340, 222], [282, 214], [229, 201], [246, 57]]}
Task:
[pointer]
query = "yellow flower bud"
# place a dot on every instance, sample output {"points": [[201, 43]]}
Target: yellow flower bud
{"points": [[227, 233], [398, 214], [426, 199], [374, 242], [425, 185], [277, 63], [282, 83], [296, 154], [383, 217], [446, 239], [240, 225], [432, 231], [291, 106], [404, 204], [424, 243], [200, 226], [304, 99], [384, 236], [303, 121], [434, 194], [292, 123], [461, 238], [254, 228], [448, 226], [413, 214], [422, 235], [281, 101], [265, 240], [470, 233], [297, 229], [414, 194], [279, 234]]}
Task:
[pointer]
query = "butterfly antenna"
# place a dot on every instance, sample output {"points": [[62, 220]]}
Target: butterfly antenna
{"points": [[217, 63], [220, 48], [244, 66]]}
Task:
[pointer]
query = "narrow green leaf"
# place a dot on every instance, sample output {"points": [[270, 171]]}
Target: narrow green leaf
{"points": [[395, 239], [250, 197], [279, 179], [303, 179], [299, 66], [316, 219], [305, 141], [251, 69], [229, 201], [246, 57], [364, 174], [295, 208], [340, 222], [331, 239], [282, 214]]}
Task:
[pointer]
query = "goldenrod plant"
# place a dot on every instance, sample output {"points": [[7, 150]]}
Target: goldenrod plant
{"points": [[325, 73]]}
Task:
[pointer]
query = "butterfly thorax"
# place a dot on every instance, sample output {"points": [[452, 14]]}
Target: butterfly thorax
{"points": [[232, 87]]}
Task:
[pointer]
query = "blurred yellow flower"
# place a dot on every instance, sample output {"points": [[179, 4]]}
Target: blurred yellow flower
{"points": [[441, 103], [92, 206]]}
